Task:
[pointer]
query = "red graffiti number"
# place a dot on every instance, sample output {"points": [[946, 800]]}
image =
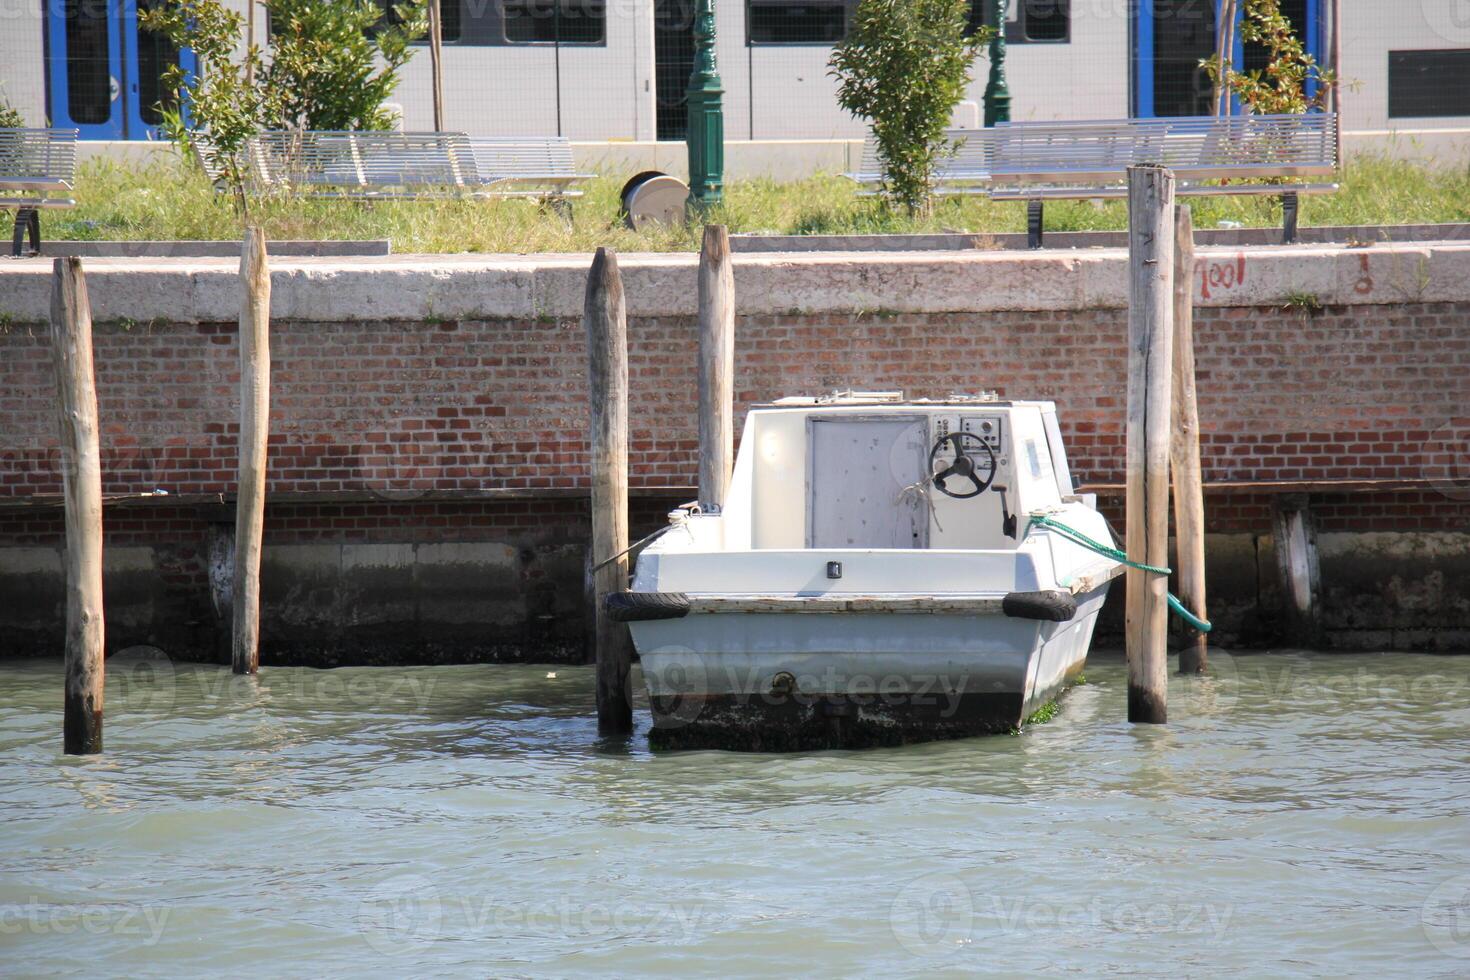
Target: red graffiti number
{"points": [[1221, 275], [1364, 285]]}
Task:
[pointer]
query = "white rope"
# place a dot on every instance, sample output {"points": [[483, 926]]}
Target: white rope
{"points": [[920, 491]]}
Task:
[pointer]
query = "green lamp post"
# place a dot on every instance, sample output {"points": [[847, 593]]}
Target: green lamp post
{"points": [[706, 132], [997, 93]]}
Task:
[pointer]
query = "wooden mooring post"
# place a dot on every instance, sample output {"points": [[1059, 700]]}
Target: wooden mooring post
{"points": [[1150, 378], [716, 367], [255, 397], [81, 476], [1189, 493], [604, 318]]}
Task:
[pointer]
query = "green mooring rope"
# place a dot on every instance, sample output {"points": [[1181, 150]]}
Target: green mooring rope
{"points": [[1109, 551]]}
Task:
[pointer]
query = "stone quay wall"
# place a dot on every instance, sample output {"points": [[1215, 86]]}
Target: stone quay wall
{"points": [[428, 474]]}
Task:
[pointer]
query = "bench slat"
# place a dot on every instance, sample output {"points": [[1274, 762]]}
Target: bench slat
{"points": [[1183, 190], [38, 203], [35, 184]]}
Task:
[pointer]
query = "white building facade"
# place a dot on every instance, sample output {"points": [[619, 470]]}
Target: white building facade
{"points": [[614, 70]]}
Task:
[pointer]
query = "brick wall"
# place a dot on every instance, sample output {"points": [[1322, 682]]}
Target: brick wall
{"points": [[383, 411], [1357, 393]]}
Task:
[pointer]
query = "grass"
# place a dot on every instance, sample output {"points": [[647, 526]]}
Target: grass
{"points": [[174, 201], [1303, 304]]}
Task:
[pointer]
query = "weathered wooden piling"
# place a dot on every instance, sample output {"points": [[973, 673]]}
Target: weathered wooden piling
{"points": [[1189, 493], [604, 318], [716, 367], [1294, 535], [81, 476], [1150, 374], [255, 373]]}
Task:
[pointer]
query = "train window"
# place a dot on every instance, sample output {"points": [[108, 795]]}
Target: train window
{"points": [[1422, 84], [155, 53], [88, 73], [1029, 21], [784, 22], [495, 23], [558, 21], [1257, 57], [1047, 20], [449, 19]]}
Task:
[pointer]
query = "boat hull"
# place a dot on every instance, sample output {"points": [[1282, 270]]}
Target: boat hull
{"points": [[786, 681]]}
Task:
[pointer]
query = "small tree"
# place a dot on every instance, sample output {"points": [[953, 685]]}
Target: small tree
{"points": [[904, 67], [1282, 87], [216, 102], [334, 64], [331, 66]]}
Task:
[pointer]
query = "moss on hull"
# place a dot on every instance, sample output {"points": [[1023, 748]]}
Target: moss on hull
{"points": [[1043, 714], [1048, 711]]}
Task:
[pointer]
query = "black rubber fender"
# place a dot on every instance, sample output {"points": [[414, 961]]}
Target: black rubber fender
{"points": [[639, 607], [1051, 606]]}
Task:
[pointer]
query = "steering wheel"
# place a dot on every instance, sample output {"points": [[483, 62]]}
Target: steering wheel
{"points": [[978, 474]]}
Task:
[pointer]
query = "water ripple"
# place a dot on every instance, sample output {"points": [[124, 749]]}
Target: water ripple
{"points": [[1302, 814]]}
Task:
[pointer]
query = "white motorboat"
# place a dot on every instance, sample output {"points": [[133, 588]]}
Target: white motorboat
{"points": [[877, 575]]}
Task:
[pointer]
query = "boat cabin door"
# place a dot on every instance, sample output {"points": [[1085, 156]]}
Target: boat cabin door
{"points": [[857, 469]]}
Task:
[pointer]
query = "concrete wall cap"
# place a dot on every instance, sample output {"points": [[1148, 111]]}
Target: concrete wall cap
{"points": [[455, 287]]}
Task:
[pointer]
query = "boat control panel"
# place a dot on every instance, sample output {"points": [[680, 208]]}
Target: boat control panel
{"points": [[988, 428], [966, 459]]}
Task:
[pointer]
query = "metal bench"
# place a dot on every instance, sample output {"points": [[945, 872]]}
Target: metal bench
{"points": [[366, 165], [369, 164], [514, 166], [35, 164], [1040, 161], [966, 172]]}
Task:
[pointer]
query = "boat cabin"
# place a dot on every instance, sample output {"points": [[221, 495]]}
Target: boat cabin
{"points": [[869, 493], [854, 471]]}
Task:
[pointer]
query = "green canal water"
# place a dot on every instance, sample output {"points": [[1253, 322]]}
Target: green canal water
{"points": [[1302, 815]]}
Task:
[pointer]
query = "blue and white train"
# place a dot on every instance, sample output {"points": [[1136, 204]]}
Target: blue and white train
{"points": [[615, 70]]}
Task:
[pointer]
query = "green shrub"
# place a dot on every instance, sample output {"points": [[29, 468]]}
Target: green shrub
{"points": [[334, 65], [10, 117], [904, 67]]}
